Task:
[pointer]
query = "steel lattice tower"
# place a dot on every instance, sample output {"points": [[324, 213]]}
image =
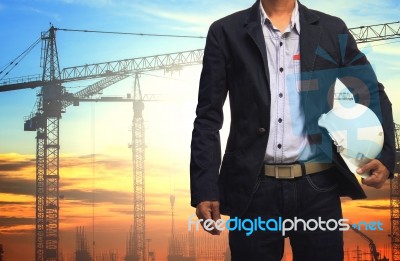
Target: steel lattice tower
{"points": [[138, 156], [47, 152], [172, 244], [395, 202]]}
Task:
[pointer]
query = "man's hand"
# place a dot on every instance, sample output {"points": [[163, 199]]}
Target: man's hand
{"points": [[209, 210], [378, 174]]}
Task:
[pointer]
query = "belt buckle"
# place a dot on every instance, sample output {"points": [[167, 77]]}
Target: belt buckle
{"points": [[281, 167]]}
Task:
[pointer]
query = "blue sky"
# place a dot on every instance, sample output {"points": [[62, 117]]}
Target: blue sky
{"points": [[21, 22]]}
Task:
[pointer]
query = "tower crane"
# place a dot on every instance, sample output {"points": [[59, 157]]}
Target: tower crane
{"points": [[372, 247], [53, 99], [395, 201]]}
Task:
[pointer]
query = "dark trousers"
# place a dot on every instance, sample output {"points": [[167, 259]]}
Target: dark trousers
{"points": [[307, 197]]}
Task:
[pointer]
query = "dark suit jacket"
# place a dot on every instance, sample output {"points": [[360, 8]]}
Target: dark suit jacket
{"points": [[235, 62]]}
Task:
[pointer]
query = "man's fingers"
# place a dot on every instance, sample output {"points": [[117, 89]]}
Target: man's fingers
{"points": [[209, 210], [215, 216], [203, 210], [372, 181], [378, 174], [375, 180], [373, 184], [215, 212], [373, 164]]}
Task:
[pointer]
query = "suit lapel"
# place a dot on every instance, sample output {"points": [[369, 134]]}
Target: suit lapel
{"points": [[309, 41], [309, 38], [254, 30]]}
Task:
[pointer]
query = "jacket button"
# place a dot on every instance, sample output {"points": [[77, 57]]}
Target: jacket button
{"points": [[261, 130]]}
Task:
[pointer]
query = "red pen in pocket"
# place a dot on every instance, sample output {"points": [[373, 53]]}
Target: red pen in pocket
{"points": [[296, 57]]}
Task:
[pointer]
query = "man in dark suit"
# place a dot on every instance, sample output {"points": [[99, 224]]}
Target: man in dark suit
{"points": [[278, 61]]}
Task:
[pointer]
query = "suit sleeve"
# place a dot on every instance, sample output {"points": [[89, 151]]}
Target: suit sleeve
{"points": [[205, 159], [378, 100]]}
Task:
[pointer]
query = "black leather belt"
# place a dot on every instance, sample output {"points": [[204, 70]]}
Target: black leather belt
{"points": [[292, 171]]}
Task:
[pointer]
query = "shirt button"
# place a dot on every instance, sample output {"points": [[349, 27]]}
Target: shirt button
{"points": [[280, 120], [281, 69], [279, 146], [261, 130], [280, 95]]}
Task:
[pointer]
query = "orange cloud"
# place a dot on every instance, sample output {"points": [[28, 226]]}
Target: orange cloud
{"points": [[106, 181]]}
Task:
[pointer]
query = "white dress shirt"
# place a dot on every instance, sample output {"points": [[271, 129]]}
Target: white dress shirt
{"points": [[287, 141]]}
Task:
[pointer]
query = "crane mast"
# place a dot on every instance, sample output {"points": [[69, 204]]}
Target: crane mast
{"points": [[395, 201], [47, 153], [138, 156], [371, 244]]}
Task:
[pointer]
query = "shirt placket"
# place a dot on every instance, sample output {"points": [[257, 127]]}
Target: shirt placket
{"points": [[281, 97]]}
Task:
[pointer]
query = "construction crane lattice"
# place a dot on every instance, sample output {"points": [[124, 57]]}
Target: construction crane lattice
{"points": [[47, 153], [379, 32], [395, 201], [138, 154]]}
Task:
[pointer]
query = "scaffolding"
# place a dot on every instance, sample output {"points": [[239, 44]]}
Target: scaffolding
{"points": [[1, 252], [129, 246], [82, 248], [111, 255], [198, 246]]}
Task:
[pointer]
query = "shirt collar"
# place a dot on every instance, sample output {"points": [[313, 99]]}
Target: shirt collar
{"points": [[294, 20]]}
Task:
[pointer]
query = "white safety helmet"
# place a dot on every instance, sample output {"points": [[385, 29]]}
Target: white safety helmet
{"points": [[354, 128]]}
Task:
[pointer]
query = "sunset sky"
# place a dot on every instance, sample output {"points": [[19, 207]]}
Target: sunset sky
{"points": [[100, 133]]}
